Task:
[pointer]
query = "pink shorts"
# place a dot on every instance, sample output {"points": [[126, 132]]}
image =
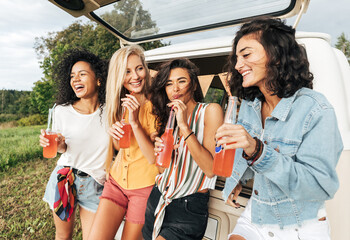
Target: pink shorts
{"points": [[133, 201]]}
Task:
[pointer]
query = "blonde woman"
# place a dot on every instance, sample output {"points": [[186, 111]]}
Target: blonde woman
{"points": [[132, 176]]}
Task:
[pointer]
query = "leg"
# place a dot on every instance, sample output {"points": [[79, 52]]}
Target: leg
{"points": [[64, 230], [132, 231], [236, 237], [160, 238], [107, 220], [86, 218]]}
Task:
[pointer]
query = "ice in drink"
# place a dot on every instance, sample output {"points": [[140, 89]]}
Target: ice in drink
{"points": [[124, 142], [51, 150], [223, 161], [164, 157]]}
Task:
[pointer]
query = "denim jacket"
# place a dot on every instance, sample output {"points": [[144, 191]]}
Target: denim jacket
{"points": [[295, 174]]}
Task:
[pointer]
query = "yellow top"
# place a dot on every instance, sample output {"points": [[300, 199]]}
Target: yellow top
{"points": [[132, 170]]}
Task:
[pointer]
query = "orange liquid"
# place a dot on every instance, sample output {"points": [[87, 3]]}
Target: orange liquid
{"points": [[164, 157], [124, 142], [51, 150], [223, 161]]}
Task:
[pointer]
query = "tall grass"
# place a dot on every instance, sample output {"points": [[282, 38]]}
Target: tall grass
{"points": [[19, 144], [23, 214]]}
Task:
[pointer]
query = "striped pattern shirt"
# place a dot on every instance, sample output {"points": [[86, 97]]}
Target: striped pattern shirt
{"points": [[183, 177]]}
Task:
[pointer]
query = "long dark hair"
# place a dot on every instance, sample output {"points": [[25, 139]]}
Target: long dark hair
{"points": [[158, 94], [62, 73], [287, 66]]}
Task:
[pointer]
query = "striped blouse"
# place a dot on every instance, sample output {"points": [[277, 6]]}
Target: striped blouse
{"points": [[183, 177]]}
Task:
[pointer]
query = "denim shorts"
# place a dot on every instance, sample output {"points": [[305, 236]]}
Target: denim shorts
{"points": [[88, 191], [185, 218]]}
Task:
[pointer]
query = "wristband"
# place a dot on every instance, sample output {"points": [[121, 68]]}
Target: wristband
{"points": [[189, 135], [256, 154]]}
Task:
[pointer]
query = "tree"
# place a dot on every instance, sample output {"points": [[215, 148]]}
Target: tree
{"points": [[50, 49], [343, 44]]}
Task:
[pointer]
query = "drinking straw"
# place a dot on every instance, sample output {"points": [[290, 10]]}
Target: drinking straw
{"points": [[50, 117], [170, 117], [124, 110]]}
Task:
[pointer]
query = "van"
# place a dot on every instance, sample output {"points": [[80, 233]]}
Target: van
{"points": [[153, 20]]}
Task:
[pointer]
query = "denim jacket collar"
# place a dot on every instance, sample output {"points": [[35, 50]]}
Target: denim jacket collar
{"points": [[282, 109]]}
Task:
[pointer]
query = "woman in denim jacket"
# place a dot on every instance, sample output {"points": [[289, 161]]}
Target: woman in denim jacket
{"points": [[286, 137]]}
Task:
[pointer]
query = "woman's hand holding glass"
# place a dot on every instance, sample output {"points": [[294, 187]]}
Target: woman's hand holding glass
{"points": [[61, 141], [116, 131]]}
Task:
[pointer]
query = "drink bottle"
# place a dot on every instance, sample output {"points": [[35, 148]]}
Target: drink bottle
{"points": [[224, 158], [164, 157], [124, 141]]}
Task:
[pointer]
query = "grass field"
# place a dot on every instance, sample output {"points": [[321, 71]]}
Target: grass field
{"points": [[19, 144], [23, 178]]}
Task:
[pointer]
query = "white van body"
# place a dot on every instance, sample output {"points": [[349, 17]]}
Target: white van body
{"points": [[331, 77]]}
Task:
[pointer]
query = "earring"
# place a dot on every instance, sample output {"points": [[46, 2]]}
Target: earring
{"points": [[98, 83]]}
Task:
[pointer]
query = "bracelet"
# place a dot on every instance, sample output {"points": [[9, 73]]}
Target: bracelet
{"points": [[189, 135], [256, 154]]}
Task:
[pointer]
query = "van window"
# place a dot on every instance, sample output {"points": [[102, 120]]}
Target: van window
{"points": [[149, 19]]}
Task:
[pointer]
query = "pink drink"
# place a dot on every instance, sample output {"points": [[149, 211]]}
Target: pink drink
{"points": [[51, 150], [223, 161], [124, 142], [164, 157]]}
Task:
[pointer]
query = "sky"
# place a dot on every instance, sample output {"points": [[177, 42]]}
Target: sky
{"points": [[21, 21]]}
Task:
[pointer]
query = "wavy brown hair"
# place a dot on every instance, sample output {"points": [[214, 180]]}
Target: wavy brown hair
{"points": [[287, 66], [158, 94]]}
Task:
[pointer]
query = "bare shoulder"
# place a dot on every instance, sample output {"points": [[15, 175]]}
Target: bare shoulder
{"points": [[213, 108], [214, 113]]}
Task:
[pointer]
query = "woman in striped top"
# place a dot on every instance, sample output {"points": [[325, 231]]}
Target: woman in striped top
{"points": [[178, 204]]}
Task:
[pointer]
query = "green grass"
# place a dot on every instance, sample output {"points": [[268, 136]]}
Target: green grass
{"points": [[19, 144], [23, 213]]}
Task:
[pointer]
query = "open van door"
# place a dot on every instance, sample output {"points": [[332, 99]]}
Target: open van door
{"points": [[152, 20]]}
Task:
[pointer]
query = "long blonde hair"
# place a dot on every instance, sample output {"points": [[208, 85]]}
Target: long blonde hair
{"points": [[115, 89]]}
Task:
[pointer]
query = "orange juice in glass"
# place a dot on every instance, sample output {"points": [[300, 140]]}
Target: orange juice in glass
{"points": [[51, 150], [124, 142]]}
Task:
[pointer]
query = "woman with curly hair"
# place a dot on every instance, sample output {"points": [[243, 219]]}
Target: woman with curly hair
{"points": [[132, 174], [286, 137], [83, 141], [178, 204]]}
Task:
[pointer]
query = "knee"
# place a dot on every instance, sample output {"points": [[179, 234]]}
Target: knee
{"points": [[63, 236], [236, 237]]}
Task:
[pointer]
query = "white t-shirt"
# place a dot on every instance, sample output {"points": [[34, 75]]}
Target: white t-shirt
{"points": [[86, 138]]}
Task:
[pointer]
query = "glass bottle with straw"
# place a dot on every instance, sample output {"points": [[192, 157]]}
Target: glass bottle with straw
{"points": [[164, 157], [51, 150]]}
